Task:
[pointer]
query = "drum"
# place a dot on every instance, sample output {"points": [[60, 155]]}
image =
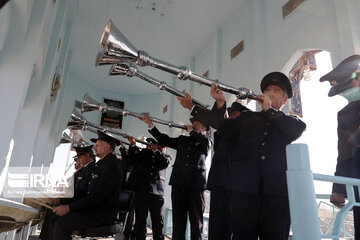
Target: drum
{"points": [[42, 210], [14, 214]]}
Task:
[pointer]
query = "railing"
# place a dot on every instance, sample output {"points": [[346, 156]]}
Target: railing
{"points": [[327, 223], [302, 199]]}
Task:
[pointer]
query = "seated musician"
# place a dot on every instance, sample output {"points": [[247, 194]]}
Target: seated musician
{"points": [[84, 164], [100, 204]]}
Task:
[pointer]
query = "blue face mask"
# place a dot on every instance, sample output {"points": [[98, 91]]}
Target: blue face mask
{"points": [[351, 94]]}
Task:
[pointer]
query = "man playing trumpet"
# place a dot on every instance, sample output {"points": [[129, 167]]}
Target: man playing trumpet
{"points": [[219, 227], [148, 173], [257, 174], [188, 177]]}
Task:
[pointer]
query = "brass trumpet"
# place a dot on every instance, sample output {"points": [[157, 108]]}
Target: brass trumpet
{"points": [[89, 104], [78, 122], [65, 138], [115, 48], [130, 70]]}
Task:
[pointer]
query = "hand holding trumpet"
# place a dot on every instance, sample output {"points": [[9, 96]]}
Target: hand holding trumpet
{"points": [[218, 95], [264, 101], [131, 140], [186, 102], [146, 119]]}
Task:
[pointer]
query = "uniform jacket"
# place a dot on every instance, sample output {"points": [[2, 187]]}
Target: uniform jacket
{"points": [[126, 166], [81, 179], [348, 162], [257, 143], [189, 169], [219, 169], [101, 201], [215, 117], [148, 170]]}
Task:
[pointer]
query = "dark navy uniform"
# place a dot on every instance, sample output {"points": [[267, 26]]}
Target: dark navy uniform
{"points": [[220, 212], [126, 167], [100, 205], [149, 183], [81, 182], [257, 174], [348, 162], [342, 78], [254, 145], [81, 178], [188, 181]]}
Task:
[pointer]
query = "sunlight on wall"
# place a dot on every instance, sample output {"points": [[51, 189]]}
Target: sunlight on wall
{"points": [[320, 116], [7, 162], [63, 157], [31, 162]]}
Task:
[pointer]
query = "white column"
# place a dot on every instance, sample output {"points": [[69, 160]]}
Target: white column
{"points": [[302, 200]]}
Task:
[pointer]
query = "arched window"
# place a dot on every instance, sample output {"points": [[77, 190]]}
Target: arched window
{"points": [[319, 112]]}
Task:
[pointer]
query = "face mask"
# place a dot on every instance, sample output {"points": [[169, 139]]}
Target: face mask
{"points": [[351, 94]]}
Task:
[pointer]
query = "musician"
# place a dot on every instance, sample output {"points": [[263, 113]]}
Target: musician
{"points": [[126, 165], [257, 174], [100, 205], [188, 177], [128, 184], [218, 113], [84, 164], [148, 172], [77, 165], [345, 81], [219, 227], [86, 159]]}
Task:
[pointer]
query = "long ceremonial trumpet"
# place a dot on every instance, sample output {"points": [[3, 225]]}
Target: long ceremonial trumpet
{"points": [[94, 130], [115, 48], [131, 70], [89, 104], [65, 138], [78, 122]]}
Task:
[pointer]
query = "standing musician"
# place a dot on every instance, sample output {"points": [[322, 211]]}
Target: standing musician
{"points": [[148, 172], [345, 81], [219, 227], [256, 143], [100, 205], [188, 177], [128, 184]]}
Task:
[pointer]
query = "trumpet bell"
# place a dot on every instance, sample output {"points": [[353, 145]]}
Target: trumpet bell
{"points": [[119, 69], [75, 120], [65, 138], [81, 143], [89, 104], [123, 69], [115, 47], [77, 104]]}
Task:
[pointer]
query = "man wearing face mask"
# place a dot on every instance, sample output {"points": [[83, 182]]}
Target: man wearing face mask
{"points": [[188, 176], [257, 153], [345, 81]]}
